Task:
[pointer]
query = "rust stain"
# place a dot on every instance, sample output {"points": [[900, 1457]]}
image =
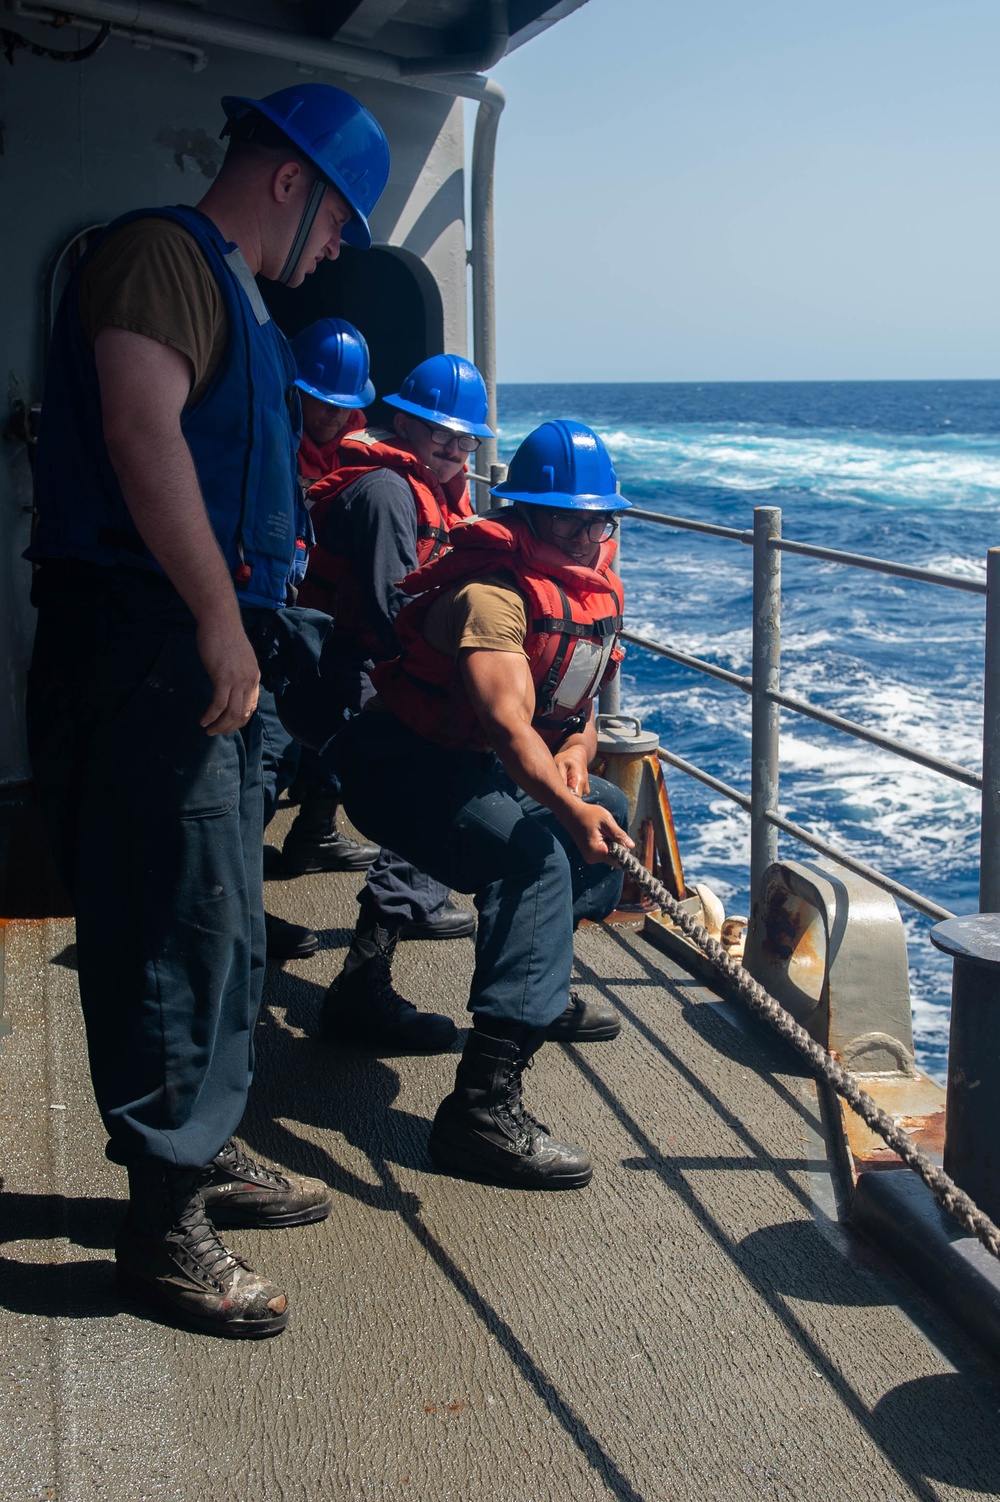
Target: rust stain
{"points": [[878, 1161], [916, 1103], [787, 926], [926, 1131]]}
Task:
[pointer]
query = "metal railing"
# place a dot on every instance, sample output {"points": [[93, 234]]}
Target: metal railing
{"points": [[764, 689]]}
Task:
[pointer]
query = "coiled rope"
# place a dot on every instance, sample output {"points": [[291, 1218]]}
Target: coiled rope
{"points": [[823, 1064]]}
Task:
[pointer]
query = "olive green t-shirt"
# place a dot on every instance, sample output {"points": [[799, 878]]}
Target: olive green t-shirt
{"points": [[489, 613], [151, 276]]}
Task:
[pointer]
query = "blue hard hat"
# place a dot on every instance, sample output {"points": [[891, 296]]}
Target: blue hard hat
{"points": [[331, 358], [448, 390], [344, 142], [565, 465]]}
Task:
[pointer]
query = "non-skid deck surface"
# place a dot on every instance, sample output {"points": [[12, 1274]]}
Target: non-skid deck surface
{"points": [[692, 1325]]}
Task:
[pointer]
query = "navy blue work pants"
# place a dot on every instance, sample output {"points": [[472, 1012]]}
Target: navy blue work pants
{"points": [[457, 815], [400, 892], [284, 758], [157, 829]]}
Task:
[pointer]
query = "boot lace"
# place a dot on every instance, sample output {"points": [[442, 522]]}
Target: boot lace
{"points": [[233, 1160], [201, 1251], [386, 998], [527, 1125]]}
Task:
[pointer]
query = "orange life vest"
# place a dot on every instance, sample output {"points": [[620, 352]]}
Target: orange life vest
{"points": [[574, 621], [331, 583]]}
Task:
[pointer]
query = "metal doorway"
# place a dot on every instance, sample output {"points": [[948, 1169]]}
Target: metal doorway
{"points": [[388, 293]]}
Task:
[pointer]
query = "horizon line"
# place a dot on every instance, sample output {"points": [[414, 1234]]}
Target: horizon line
{"points": [[780, 381]]}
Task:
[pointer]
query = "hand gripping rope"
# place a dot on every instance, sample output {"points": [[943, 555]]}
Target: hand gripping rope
{"points": [[823, 1064]]}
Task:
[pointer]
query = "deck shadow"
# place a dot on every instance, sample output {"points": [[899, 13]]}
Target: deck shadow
{"points": [[88, 1221], [351, 1092], [745, 1048], [925, 1423], [348, 1091], [60, 1289]]}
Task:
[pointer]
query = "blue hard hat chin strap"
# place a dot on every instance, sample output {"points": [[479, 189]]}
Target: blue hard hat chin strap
{"points": [[298, 245]]}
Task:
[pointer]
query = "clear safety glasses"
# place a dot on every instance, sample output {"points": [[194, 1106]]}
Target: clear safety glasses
{"points": [[566, 527], [467, 442]]}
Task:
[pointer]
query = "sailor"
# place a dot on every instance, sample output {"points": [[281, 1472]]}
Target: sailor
{"points": [[390, 506], [332, 376], [472, 761], [167, 497]]}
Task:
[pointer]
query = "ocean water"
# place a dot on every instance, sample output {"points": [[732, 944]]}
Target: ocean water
{"points": [[908, 471]]}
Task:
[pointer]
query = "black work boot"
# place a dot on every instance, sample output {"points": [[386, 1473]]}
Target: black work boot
{"points": [[361, 1006], [584, 1022], [482, 1129], [239, 1192], [451, 923], [168, 1254], [288, 941], [314, 843]]}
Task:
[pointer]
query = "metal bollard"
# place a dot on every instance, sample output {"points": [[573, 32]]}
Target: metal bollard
{"points": [[626, 756], [972, 1116]]}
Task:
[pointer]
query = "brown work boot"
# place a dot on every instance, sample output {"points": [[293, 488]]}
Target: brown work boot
{"points": [[239, 1192], [168, 1254]]}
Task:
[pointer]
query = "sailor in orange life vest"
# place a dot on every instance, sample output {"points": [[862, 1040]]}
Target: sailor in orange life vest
{"points": [[387, 508], [472, 760], [331, 362]]}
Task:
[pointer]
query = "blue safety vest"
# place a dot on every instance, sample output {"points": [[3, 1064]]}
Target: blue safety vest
{"points": [[243, 434]]}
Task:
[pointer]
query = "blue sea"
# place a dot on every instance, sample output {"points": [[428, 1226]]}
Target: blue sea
{"points": [[908, 471]]}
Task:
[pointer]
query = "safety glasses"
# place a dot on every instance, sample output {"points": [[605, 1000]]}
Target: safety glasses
{"points": [[467, 442], [565, 526]]}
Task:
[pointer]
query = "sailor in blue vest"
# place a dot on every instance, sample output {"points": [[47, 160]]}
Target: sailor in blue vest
{"points": [[168, 536]]}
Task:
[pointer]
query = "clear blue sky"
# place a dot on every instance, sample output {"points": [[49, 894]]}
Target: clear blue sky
{"points": [[734, 190]]}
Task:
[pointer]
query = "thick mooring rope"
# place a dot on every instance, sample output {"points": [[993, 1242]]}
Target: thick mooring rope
{"points": [[823, 1064]]}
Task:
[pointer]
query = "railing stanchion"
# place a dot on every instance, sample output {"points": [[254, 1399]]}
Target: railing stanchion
{"points": [[989, 853], [610, 698], [766, 680]]}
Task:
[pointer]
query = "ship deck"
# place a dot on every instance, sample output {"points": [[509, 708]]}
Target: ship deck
{"points": [[695, 1323]]}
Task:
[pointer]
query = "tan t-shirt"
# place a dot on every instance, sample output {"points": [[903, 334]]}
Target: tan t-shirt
{"points": [[150, 276], [489, 613]]}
